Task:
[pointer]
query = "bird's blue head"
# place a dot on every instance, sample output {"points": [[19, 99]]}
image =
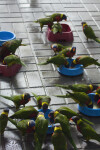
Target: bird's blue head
{"points": [[73, 50], [44, 106], [51, 116], [31, 123], [6, 110], [74, 119], [27, 97], [64, 17], [84, 24], [54, 46]]}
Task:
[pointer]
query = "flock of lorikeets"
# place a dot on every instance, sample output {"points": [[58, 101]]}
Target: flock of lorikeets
{"points": [[33, 121]]}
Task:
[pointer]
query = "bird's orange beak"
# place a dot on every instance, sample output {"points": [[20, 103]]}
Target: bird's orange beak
{"points": [[33, 127], [48, 115], [71, 119], [29, 99]]}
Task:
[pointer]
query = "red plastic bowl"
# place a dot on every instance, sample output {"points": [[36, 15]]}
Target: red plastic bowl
{"points": [[66, 34], [9, 71]]}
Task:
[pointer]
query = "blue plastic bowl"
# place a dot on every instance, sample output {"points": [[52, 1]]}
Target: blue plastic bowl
{"points": [[6, 36], [77, 70], [89, 111]]}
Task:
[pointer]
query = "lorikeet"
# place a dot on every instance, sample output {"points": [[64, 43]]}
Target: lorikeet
{"points": [[9, 47], [79, 97], [58, 17], [57, 60], [27, 112], [63, 120], [79, 87], [25, 126], [85, 61], [45, 21], [56, 28], [41, 127], [3, 120], [58, 47], [58, 138], [12, 59], [68, 52], [89, 33], [70, 113], [42, 101], [85, 129], [19, 99]]}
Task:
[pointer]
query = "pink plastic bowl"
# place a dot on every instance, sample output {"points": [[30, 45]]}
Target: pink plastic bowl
{"points": [[9, 71], [66, 34]]}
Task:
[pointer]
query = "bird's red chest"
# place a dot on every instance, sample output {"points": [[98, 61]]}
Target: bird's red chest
{"points": [[58, 18], [89, 91], [70, 54], [22, 102], [78, 128], [29, 130]]}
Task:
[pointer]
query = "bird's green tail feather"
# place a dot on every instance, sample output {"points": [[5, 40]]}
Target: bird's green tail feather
{"points": [[38, 145], [97, 40], [87, 121], [36, 21], [72, 142], [34, 95], [6, 97], [12, 121], [23, 45], [98, 64], [63, 96], [62, 86], [22, 64], [45, 63]]}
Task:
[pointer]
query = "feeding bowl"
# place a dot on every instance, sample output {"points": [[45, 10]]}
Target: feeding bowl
{"points": [[6, 36], [50, 127], [89, 111], [9, 71], [77, 70], [66, 34]]}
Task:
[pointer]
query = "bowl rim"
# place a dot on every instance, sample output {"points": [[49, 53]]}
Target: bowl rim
{"points": [[10, 33]]}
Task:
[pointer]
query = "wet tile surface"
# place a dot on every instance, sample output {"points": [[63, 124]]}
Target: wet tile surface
{"points": [[18, 16]]}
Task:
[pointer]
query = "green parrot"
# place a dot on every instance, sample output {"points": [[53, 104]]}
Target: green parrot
{"points": [[10, 47], [79, 87], [58, 138], [58, 47], [89, 33], [45, 21], [85, 61], [12, 59], [42, 101], [63, 120], [85, 129], [57, 60], [3, 120], [58, 17], [56, 28], [79, 97], [19, 99], [41, 127], [70, 113], [24, 126], [27, 112]]}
